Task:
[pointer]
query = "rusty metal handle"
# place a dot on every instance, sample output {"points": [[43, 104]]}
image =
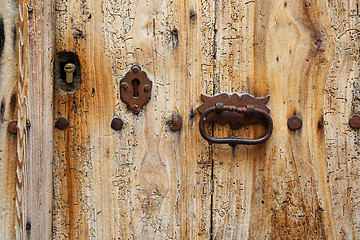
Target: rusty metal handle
{"points": [[219, 108]]}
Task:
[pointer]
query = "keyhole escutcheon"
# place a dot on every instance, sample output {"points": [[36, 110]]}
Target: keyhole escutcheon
{"points": [[135, 89]]}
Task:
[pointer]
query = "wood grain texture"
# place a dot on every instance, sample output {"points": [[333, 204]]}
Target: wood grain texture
{"points": [[277, 190], [342, 101], [8, 112], [35, 94], [144, 181]]}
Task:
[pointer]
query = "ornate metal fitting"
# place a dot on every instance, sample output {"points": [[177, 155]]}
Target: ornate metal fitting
{"points": [[235, 118], [237, 110], [135, 89]]}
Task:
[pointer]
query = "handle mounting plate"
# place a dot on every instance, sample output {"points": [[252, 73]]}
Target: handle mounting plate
{"points": [[235, 119]]}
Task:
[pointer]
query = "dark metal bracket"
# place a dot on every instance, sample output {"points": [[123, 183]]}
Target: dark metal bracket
{"points": [[238, 110]]}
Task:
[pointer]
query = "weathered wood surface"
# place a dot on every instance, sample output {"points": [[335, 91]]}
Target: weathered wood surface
{"points": [[144, 181], [8, 112], [279, 189], [35, 138], [342, 101], [171, 185]]}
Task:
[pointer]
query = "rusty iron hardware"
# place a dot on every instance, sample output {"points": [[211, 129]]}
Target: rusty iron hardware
{"points": [[354, 121], [175, 124], [12, 126], [62, 123], [294, 123], [135, 89], [238, 110], [117, 124]]}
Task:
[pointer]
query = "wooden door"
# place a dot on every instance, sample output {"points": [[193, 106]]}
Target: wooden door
{"points": [[145, 181]]}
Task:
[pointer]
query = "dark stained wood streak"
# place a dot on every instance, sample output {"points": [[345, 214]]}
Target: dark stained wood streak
{"points": [[14, 36], [2, 36], [2, 111]]}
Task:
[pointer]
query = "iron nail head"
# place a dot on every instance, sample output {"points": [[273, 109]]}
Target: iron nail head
{"points": [[219, 107], [12, 127], [146, 88], [354, 121], [62, 123], [135, 69], [124, 86], [175, 124], [117, 124], [294, 123]]}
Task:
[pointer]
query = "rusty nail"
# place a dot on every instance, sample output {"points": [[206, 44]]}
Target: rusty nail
{"points": [[116, 124], [294, 123], [219, 107], [251, 108], [354, 121], [175, 124], [146, 88], [62, 123], [12, 126], [124, 86], [135, 69]]}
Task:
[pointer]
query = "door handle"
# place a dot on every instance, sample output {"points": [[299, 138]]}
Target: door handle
{"points": [[238, 110]]}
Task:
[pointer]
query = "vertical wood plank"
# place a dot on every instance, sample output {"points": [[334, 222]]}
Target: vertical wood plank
{"points": [[234, 175], [8, 112], [278, 189], [144, 181], [35, 149], [342, 101]]}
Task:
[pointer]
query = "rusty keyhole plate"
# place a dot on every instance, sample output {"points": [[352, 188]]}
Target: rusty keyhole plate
{"points": [[135, 89]]}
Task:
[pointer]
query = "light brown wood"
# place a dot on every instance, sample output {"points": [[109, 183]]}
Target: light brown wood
{"points": [[8, 112], [35, 94], [342, 100], [276, 190], [289, 187], [279, 189], [145, 180]]}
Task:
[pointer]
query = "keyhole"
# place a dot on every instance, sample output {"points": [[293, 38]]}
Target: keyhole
{"points": [[62, 70], [135, 83]]}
